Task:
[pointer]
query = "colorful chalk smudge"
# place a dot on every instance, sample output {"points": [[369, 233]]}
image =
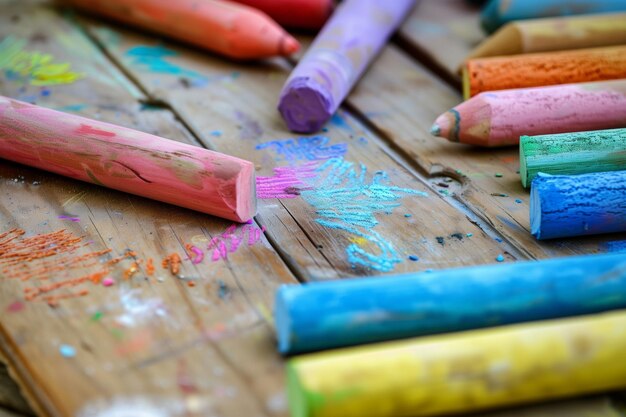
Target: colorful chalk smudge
{"points": [[231, 239], [155, 59], [35, 68], [315, 148], [287, 182], [345, 199]]}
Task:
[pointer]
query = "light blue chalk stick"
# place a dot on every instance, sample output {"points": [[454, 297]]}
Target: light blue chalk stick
{"points": [[578, 205], [332, 314], [498, 12]]}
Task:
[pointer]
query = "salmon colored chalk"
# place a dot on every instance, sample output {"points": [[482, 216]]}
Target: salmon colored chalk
{"points": [[127, 160], [304, 14], [499, 118], [542, 69], [228, 28]]}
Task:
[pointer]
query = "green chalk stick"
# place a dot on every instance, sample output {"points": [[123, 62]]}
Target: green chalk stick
{"points": [[572, 153]]}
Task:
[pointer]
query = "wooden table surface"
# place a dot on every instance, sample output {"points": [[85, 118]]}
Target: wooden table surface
{"points": [[201, 343]]}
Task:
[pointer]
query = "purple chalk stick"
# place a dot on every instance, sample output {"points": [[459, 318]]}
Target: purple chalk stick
{"points": [[335, 61]]}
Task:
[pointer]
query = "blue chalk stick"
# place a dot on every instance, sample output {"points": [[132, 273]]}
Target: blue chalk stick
{"points": [[577, 205], [498, 12], [331, 314]]}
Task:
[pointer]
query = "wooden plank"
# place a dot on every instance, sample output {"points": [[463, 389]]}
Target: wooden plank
{"points": [[440, 33], [239, 101], [145, 342]]}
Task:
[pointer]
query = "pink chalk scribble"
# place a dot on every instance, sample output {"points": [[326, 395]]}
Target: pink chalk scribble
{"points": [[286, 182], [71, 218], [198, 255], [230, 240]]}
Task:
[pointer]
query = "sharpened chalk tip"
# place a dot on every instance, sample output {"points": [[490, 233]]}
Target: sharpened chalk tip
{"points": [[441, 127], [289, 45], [435, 130]]}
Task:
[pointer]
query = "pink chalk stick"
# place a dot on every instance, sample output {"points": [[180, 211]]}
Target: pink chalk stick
{"points": [[127, 160], [499, 118]]}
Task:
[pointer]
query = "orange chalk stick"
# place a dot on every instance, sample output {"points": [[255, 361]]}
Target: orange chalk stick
{"points": [[543, 69], [305, 14], [127, 160], [228, 28]]}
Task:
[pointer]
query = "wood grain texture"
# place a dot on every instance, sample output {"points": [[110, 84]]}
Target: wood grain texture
{"points": [[242, 108], [441, 33], [167, 343]]}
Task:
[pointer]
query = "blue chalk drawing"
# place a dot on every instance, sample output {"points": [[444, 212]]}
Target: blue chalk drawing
{"points": [[345, 199], [316, 148], [154, 59], [338, 121]]}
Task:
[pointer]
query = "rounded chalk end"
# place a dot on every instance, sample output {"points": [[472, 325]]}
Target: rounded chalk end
{"points": [[289, 45], [535, 209], [305, 106], [282, 322], [435, 130]]}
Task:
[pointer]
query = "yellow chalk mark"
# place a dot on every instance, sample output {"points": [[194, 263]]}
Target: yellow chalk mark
{"points": [[37, 67], [358, 240]]}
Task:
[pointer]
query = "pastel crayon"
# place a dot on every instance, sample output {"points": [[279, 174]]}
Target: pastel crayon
{"points": [[325, 315], [499, 118], [349, 41], [127, 160], [305, 14], [224, 27], [543, 69], [463, 372], [572, 153], [498, 12], [577, 205], [554, 34]]}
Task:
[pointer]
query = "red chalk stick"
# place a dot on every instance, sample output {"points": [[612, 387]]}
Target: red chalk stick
{"points": [[305, 14], [225, 27], [127, 160]]}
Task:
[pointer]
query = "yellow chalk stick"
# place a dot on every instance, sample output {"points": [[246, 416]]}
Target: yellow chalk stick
{"points": [[468, 371]]}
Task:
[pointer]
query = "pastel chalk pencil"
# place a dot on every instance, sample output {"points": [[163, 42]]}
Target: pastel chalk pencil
{"points": [[127, 160], [572, 153], [554, 34], [499, 118], [349, 41], [326, 315], [224, 27], [462, 372], [498, 12], [577, 205], [304, 14], [543, 69]]}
